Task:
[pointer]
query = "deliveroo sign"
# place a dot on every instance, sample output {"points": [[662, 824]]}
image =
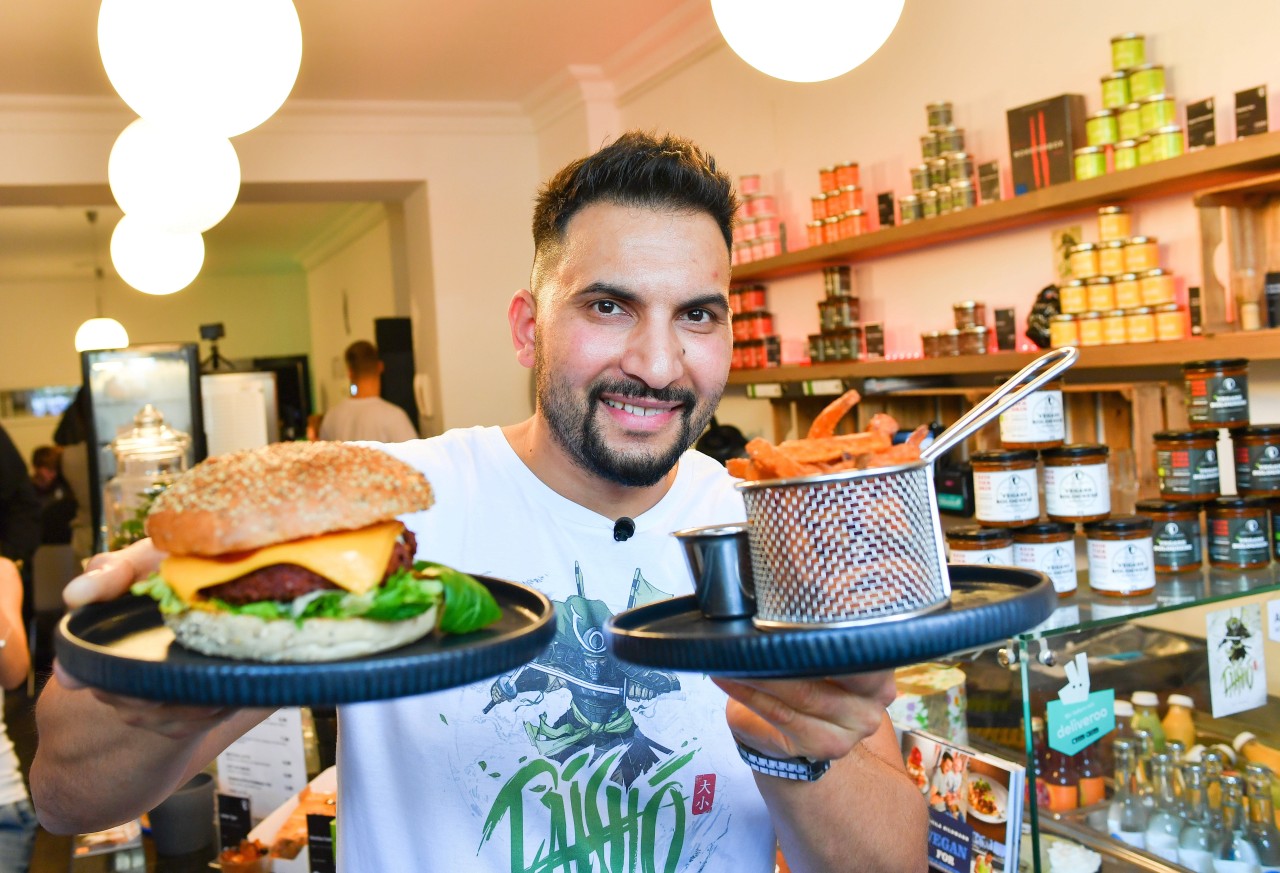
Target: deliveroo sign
{"points": [[1078, 718]]}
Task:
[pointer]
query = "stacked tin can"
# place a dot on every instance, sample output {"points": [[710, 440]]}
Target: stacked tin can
{"points": [[755, 345], [757, 232], [944, 180], [970, 336], [1240, 530], [840, 336], [1138, 122], [837, 208], [1118, 293]]}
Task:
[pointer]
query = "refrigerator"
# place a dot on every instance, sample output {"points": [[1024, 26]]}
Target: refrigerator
{"points": [[119, 382]]}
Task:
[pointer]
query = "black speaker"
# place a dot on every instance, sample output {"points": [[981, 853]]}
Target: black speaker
{"points": [[394, 339]]}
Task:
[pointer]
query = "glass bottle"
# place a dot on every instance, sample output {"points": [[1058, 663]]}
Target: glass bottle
{"points": [[1165, 824], [1214, 765], [1126, 817], [1061, 781], [1177, 722], [1141, 778], [1178, 752], [1235, 854], [1093, 788], [1262, 830], [1123, 730], [1039, 749], [1145, 717], [1198, 840]]}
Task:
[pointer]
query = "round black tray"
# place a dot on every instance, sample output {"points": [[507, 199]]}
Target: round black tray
{"points": [[988, 604], [123, 646]]}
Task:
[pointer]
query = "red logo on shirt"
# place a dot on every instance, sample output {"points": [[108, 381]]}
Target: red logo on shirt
{"points": [[704, 793]]}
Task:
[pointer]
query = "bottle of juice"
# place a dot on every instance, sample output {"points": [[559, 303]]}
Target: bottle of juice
{"points": [[1039, 750], [1092, 783], [1145, 717], [1177, 721], [1061, 781]]}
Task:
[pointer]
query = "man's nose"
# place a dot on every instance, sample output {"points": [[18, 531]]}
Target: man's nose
{"points": [[654, 355]]}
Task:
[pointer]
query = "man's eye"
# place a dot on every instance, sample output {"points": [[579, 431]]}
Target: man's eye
{"points": [[605, 307], [700, 315]]}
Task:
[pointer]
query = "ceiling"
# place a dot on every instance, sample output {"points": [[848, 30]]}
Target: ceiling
{"points": [[402, 50]]}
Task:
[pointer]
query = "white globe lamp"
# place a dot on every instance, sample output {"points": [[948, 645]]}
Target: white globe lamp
{"points": [[806, 40], [155, 261], [101, 333], [173, 178], [221, 65]]}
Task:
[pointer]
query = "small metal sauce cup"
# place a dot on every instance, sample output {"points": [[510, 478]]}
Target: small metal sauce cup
{"points": [[719, 558]]}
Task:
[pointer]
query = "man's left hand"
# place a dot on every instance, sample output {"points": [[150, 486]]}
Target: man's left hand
{"points": [[822, 719]]}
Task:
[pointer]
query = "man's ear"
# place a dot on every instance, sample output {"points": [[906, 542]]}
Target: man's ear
{"points": [[522, 317]]}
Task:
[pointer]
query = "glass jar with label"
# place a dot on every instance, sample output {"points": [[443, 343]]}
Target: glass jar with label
{"points": [[1089, 329], [959, 167], [950, 139], [1006, 493], [974, 544], [1111, 258], [1073, 297], [1257, 456], [846, 174], [1273, 507], [929, 343], [1062, 331], [1140, 325], [817, 352], [973, 340], [929, 145], [910, 208], [938, 172], [1130, 119], [1156, 287], [1167, 142], [939, 114], [1128, 291], [1145, 80], [1036, 421], [929, 203], [1141, 253], [1083, 260], [1113, 328], [1050, 548], [1175, 534], [949, 343], [1158, 110], [1128, 50], [1114, 223], [1144, 150], [1101, 128], [1217, 392], [963, 195], [1124, 154], [1187, 464], [1115, 90], [1090, 162], [944, 198], [967, 313], [1077, 488], [818, 206], [1121, 560], [1171, 323], [920, 180], [1101, 294], [1238, 533]]}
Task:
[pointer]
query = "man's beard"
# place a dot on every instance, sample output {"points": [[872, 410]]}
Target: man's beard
{"points": [[577, 427]]}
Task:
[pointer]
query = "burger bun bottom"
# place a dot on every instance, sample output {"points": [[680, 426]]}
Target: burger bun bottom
{"points": [[247, 637]]}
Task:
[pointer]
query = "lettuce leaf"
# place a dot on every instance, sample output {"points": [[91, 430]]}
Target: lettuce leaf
{"points": [[468, 605]]}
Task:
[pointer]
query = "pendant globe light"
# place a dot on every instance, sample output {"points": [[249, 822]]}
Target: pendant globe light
{"points": [[99, 332], [173, 178], [223, 66], [806, 40], [155, 261]]}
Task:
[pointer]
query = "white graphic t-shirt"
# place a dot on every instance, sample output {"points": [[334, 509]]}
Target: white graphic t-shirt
{"points": [[575, 762]]}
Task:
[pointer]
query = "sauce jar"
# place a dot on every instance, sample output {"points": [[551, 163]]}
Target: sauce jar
{"points": [[920, 178], [963, 195], [939, 114], [1124, 154], [973, 340], [852, 195], [1144, 150], [1217, 392], [1166, 142], [959, 167], [944, 198], [929, 203], [1187, 464], [817, 351], [1238, 533], [929, 145], [910, 208], [752, 298], [1005, 490], [1036, 421], [1156, 287], [847, 174], [1130, 119], [938, 171], [1145, 80], [1121, 558], [1115, 90], [1101, 293], [1114, 223], [1089, 328], [1171, 324], [1140, 325], [1113, 328], [827, 178], [1128, 50], [1257, 455], [929, 343], [1128, 290], [1175, 534], [1274, 508], [1077, 488], [1083, 260], [1102, 128], [974, 544], [831, 229], [1142, 253], [1111, 257], [1062, 331], [1050, 548], [814, 229], [1090, 162], [967, 313], [1073, 297], [950, 139], [949, 343], [1158, 110]]}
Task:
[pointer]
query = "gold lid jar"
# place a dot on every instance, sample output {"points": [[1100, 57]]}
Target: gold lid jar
{"points": [[1077, 487], [1005, 491], [1121, 557], [1063, 331]]}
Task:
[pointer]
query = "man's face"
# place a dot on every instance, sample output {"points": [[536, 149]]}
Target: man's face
{"points": [[633, 342]]}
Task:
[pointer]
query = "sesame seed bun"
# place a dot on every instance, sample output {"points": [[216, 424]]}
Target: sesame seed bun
{"points": [[282, 492]]}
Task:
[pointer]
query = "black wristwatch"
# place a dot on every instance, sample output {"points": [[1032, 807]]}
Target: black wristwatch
{"points": [[796, 769]]}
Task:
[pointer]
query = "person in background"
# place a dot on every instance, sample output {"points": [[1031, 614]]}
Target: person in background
{"points": [[19, 509], [72, 438], [17, 817], [57, 502], [365, 415]]}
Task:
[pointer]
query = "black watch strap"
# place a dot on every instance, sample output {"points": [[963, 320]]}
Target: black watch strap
{"points": [[795, 769]]}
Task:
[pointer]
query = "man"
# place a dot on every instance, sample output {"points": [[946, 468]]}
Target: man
{"points": [[365, 415], [57, 502], [574, 761]]}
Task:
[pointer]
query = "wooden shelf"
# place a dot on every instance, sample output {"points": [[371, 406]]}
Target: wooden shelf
{"points": [[1224, 165], [1259, 345]]}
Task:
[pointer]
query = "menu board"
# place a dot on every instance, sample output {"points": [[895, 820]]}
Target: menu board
{"points": [[267, 765]]}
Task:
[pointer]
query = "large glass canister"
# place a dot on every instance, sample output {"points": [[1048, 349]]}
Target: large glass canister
{"points": [[148, 456]]}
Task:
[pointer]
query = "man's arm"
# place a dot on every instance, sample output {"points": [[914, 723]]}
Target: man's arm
{"points": [[864, 814]]}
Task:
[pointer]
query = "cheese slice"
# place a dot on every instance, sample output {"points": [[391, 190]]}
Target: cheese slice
{"points": [[355, 560]]}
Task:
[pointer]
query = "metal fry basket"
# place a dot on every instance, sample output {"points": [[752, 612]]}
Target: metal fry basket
{"points": [[864, 546]]}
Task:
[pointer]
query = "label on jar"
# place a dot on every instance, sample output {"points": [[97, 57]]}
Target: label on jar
{"points": [[1218, 399], [1006, 495], [1121, 566], [1055, 560], [1077, 491], [1237, 541], [1189, 472], [1002, 556], [1177, 544], [1257, 468], [1034, 419]]}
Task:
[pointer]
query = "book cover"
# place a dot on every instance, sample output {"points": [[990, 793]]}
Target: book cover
{"points": [[975, 804]]}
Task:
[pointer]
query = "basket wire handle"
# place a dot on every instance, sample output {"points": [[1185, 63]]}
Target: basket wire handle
{"points": [[1053, 364]]}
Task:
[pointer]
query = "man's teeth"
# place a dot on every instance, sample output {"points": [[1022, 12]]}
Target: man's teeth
{"points": [[634, 410]]}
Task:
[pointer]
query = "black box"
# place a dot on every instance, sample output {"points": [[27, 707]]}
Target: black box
{"points": [[1006, 330], [1043, 138]]}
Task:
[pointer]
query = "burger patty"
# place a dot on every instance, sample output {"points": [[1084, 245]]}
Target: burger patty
{"points": [[284, 582]]}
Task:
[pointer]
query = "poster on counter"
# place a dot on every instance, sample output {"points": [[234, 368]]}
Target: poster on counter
{"points": [[1237, 670]]}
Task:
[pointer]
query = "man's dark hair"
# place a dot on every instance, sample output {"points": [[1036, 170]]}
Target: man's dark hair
{"points": [[636, 169], [362, 358], [48, 457]]}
